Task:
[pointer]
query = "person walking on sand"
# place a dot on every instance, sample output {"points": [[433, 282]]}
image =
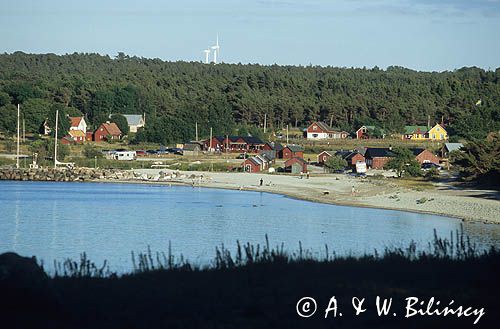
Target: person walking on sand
{"points": [[261, 181], [307, 175], [353, 191]]}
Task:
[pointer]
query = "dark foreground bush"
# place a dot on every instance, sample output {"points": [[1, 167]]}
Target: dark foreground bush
{"points": [[259, 287]]}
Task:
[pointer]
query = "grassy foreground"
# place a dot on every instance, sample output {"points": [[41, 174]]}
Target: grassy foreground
{"points": [[259, 287]]}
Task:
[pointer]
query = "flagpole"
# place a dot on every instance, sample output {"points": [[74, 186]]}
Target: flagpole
{"points": [[55, 141], [18, 135]]}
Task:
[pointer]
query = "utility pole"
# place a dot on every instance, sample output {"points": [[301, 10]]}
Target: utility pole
{"points": [[18, 136], [55, 141], [265, 122], [287, 134], [331, 120], [196, 128]]}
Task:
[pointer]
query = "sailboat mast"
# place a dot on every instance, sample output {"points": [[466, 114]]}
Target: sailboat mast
{"points": [[18, 135], [55, 141]]}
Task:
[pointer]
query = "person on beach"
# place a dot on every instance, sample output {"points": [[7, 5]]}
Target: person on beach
{"points": [[261, 181], [353, 191], [307, 175]]}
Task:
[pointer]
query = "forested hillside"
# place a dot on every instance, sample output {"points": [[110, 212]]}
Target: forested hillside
{"points": [[176, 95]]}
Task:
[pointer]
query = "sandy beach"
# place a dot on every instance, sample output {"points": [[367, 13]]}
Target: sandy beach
{"points": [[441, 199]]}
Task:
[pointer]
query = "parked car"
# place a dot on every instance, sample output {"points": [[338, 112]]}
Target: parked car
{"points": [[151, 152], [429, 165], [175, 150], [140, 152]]}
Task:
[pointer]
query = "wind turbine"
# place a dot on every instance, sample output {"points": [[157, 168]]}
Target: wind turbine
{"points": [[207, 55], [216, 49]]}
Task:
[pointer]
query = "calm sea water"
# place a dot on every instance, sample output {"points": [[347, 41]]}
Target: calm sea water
{"points": [[54, 221]]}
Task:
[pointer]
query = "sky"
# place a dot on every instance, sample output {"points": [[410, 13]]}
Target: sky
{"points": [[423, 35]]}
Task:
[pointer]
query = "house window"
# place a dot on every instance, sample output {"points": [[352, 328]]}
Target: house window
{"points": [[442, 137], [315, 135], [433, 136], [315, 127], [437, 129]]}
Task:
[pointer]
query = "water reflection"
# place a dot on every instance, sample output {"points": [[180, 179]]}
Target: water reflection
{"points": [[59, 220]]}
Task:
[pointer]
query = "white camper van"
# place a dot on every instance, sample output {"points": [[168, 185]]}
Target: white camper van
{"points": [[125, 155]]}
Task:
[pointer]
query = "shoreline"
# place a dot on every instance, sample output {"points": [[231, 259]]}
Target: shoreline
{"points": [[335, 189], [465, 205], [288, 195]]}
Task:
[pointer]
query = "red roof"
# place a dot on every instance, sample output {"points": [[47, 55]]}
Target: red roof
{"points": [[289, 162], [111, 129], [75, 121]]}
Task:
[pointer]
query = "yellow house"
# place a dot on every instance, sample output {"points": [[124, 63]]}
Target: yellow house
{"points": [[437, 133], [421, 133]]}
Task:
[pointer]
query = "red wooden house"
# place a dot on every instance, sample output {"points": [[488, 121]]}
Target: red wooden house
{"points": [[425, 156], [350, 156], [377, 157], [292, 151], [250, 165], [235, 144], [296, 165], [323, 156], [257, 163], [107, 131], [277, 148]]}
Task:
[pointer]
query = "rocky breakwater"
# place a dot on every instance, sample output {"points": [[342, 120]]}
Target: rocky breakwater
{"points": [[64, 174]]}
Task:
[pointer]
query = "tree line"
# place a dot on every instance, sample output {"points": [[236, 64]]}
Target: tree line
{"points": [[232, 98]]}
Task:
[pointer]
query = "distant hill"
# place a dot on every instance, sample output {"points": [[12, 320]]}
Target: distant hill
{"points": [[176, 95]]}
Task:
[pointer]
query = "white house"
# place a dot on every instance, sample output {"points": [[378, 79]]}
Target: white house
{"points": [[320, 130], [78, 123], [135, 121]]}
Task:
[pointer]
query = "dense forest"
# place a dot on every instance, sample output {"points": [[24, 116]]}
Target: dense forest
{"points": [[230, 96]]}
